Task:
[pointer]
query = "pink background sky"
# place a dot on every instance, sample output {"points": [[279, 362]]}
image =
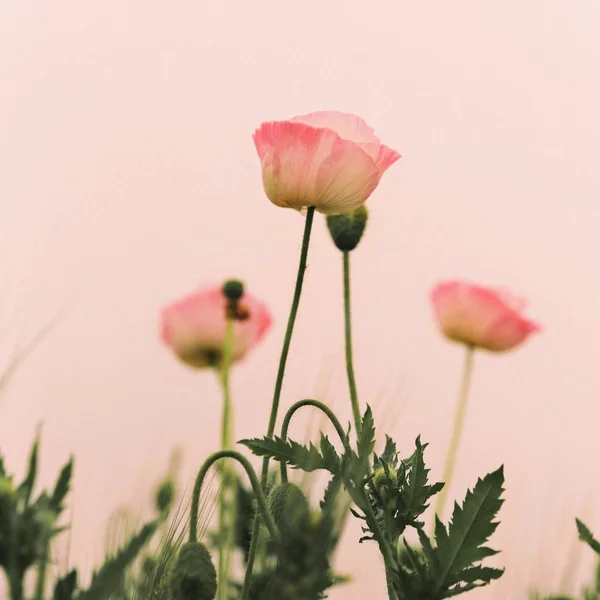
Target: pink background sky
{"points": [[128, 176]]}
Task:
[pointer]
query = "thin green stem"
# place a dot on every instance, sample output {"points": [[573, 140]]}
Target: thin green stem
{"points": [[40, 584], [277, 393], [14, 572], [260, 497], [322, 407], [459, 419], [16, 588], [361, 500], [225, 509], [348, 339], [390, 585]]}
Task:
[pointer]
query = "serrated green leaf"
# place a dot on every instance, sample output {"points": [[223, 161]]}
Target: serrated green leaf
{"points": [[460, 547], [107, 579], [308, 458], [417, 491], [390, 452], [328, 503], [26, 488], [366, 442], [417, 566], [61, 489], [461, 589], [329, 454], [65, 587], [429, 550], [479, 574], [585, 535]]}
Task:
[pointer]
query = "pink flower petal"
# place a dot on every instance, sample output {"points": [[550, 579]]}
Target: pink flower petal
{"points": [[330, 160], [348, 127], [480, 316], [194, 327], [303, 166]]}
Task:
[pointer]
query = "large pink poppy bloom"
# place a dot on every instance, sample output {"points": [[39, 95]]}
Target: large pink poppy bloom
{"points": [[330, 160]]}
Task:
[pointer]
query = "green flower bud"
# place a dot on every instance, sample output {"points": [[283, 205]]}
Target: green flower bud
{"points": [[289, 507], [233, 289], [193, 576], [164, 496], [347, 229], [384, 480]]}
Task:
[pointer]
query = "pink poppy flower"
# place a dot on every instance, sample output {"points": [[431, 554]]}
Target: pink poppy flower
{"points": [[330, 160], [481, 317], [194, 327]]}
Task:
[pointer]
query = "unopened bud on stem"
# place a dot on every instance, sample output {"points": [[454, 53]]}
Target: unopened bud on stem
{"points": [[347, 229]]}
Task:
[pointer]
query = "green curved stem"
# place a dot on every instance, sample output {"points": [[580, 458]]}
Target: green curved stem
{"points": [[260, 497], [348, 339], [459, 419], [322, 407], [277, 393], [225, 509]]}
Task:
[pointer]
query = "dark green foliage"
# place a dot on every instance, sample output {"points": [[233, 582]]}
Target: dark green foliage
{"points": [[25, 490], [453, 565], [308, 458], [65, 586], [150, 580], [390, 495], [193, 576], [62, 487], [107, 579], [586, 536], [28, 525], [302, 570], [243, 519], [366, 441], [403, 494], [289, 507]]}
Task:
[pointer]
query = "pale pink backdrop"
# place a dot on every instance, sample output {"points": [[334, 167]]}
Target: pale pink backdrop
{"points": [[128, 176]]}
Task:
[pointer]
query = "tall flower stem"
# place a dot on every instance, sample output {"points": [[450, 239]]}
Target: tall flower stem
{"points": [[226, 509], [360, 499], [277, 393], [40, 584], [348, 340], [459, 419]]}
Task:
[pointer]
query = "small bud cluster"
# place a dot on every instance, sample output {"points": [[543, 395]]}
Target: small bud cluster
{"points": [[233, 290]]}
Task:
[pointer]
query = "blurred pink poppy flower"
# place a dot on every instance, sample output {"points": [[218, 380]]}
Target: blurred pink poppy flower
{"points": [[480, 316], [330, 160], [194, 327]]}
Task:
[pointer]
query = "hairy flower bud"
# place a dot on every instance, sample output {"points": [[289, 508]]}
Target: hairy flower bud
{"points": [[384, 479], [289, 507], [193, 576], [347, 229]]}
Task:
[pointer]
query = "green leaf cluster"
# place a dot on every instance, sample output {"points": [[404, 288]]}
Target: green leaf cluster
{"points": [[390, 495]]}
